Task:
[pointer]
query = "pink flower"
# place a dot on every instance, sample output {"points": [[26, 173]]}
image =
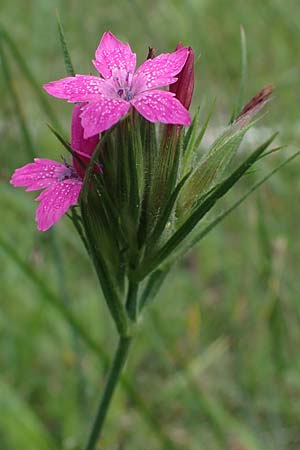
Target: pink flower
{"points": [[62, 182], [109, 98]]}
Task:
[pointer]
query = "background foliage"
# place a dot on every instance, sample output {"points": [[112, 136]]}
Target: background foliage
{"points": [[216, 361]]}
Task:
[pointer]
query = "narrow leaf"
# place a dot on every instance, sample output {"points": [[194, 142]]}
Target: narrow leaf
{"points": [[25, 69], [67, 59], [19, 425], [165, 215], [213, 164], [152, 287], [28, 143], [51, 298], [199, 212], [202, 233], [243, 79]]}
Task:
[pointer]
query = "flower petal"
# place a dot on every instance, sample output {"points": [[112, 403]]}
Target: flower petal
{"points": [[55, 202], [102, 115], [83, 147], [112, 54], [78, 143], [161, 106], [80, 88], [37, 175], [159, 71]]}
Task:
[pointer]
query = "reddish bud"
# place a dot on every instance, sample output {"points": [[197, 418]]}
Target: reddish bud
{"points": [[259, 100], [184, 86], [151, 53]]}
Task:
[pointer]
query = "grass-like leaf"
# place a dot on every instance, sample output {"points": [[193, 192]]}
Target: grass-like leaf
{"points": [[67, 58], [28, 143], [28, 75], [152, 287], [214, 163], [195, 239], [243, 79], [19, 425], [165, 214], [52, 299], [200, 211]]}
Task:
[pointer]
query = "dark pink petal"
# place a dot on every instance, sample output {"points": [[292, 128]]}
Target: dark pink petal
{"points": [[100, 116], [55, 202], [161, 106], [112, 56], [159, 71], [83, 147], [78, 143], [37, 175], [80, 88]]}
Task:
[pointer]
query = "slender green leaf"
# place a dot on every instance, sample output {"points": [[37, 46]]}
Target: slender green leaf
{"points": [[212, 166], [204, 126], [153, 285], [200, 211], [202, 233], [25, 69], [67, 58], [243, 79], [51, 298], [28, 143], [165, 215], [193, 140], [19, 425], [149, 146]]}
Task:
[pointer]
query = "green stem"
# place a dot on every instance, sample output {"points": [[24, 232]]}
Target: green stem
{"points": [[132, 301], [112, 381]]}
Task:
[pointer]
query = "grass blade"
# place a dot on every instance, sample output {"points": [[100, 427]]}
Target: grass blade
{"points": [[19, 425], [199, 236], [28, 143], [24, 68], [243, 80], [67, 58], [204, 206]]}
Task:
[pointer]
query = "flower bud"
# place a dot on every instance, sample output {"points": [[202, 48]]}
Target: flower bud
{"points": [[151, 53]]}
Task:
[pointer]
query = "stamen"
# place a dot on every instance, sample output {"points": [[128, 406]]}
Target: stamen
{"points": [[129, 95]]}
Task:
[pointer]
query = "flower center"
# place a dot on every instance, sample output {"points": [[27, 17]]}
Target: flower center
{"points": [[66, 172], [122, 83]]}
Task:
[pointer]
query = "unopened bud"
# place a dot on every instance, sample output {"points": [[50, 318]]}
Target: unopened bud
{"points": [[151, 53], [255, 105], [184, 86]]}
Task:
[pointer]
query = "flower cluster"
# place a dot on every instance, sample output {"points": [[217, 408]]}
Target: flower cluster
{"points": [[101, 103]]}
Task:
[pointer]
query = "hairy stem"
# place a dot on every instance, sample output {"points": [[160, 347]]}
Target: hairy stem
{"points": [[112, 381]]}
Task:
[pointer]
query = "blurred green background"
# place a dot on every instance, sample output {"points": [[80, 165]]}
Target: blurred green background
{"points": [[216, 362]]}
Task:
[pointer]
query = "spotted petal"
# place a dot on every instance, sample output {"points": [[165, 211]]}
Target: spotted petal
{"points": [[80, 88], [101, 115], [55, 202], [159, 71], [83, 147], [37, 175], [161, 106], [113, 56]]}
